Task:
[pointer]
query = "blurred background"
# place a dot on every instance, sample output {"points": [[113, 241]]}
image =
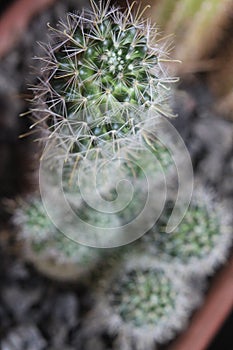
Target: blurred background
{"points": [[200, 32]]}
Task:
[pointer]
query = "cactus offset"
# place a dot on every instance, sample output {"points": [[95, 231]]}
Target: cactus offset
{"points": [[200, 243], [53, 253], [142, 303]]}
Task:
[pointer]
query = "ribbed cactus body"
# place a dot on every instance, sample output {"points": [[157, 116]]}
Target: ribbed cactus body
{"points": [[144, 297], [201, 241], [104, 70], [195, 236], [113, 67], [142, 303]]}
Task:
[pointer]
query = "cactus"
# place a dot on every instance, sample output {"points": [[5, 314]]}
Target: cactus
{"points": [[50, 251], [103, 71], [200, 243], [141, 303], [103, 87]]}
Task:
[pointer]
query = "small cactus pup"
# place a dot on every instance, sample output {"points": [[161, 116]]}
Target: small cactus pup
{"points": [[53, 254], [103, 70], [202, 240], [141, 303]]}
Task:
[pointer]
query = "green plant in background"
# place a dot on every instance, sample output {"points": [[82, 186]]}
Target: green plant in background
{"points": [[164, 10], [212, 14], [198, 26], [203, 41], [103, 86], [181, 14]]}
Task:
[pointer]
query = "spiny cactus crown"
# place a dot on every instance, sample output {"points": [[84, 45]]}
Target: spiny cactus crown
{"points": [[103, 71], [144, 297], [200, 235]]}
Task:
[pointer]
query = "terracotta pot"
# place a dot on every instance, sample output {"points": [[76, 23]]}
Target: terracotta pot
{"points": [[207, 321]]}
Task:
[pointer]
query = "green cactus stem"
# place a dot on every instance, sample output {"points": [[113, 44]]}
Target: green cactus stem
{"points": [[103, 71]]}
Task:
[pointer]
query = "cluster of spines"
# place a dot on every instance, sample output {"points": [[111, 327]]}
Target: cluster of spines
{"points": [[201, 241], [142, 303], [102, 73], [143, 297]]}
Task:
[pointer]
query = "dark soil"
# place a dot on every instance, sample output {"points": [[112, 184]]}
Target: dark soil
{"points": [[38, 314]]}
